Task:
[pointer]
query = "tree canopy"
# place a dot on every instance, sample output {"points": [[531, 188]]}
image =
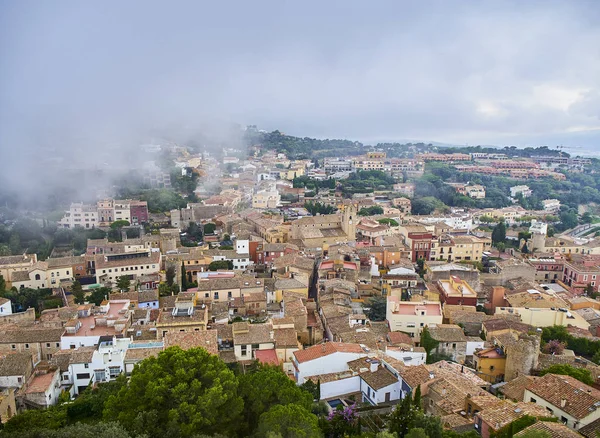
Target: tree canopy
{"points": [[179, 393]]}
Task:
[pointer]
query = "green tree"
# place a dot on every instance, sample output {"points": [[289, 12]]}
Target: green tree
{"points": [[533, 433], [377, 308], [417, 432], [209, 228], [98, 295], [220, 264], [402, 417], [581, 374], [290, 420], [119, 224], [179, 393], [427, 342], [184, 278], [170, 275], [568, 219], [417, 398], [77, 292], [499, 233], [525, 249], [312, 388], [267, 387], [123, 283], [370, 211]]}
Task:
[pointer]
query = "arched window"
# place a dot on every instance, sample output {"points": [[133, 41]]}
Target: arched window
{"points": [[37, 276]]}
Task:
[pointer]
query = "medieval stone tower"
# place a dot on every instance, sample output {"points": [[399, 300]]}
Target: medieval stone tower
{"points": [[522, 356], [349, 218]]}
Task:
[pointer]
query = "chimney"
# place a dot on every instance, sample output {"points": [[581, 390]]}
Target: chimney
{"points": [[272, 335], [374, 365], [563, 402]]}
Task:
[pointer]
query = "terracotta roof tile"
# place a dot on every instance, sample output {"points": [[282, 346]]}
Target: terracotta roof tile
{"points": [[581, 399], [325, 349]]}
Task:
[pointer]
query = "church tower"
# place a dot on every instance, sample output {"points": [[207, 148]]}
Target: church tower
{"points": [[349, 220]]}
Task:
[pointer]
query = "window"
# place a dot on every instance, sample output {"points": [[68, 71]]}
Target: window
{"points": [[27, 346], [48, 344], [114, 372], [100, 375], [13, 347], [229, 294], [216, 295], [565, 420], [492, 368], [244, 350], [255, 346], [83, 376], [86, 365]]}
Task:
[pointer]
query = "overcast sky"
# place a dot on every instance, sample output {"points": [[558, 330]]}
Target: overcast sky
{"points": [[477, 72]]}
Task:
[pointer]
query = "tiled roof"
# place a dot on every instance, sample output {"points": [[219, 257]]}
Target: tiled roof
{"points": [[325, 349], [15, 364], [591, 430], [40, 383], [286, 338], [581, 399], [267, 357], [447, 333], [379, 379], [515, 389], [256, 334], [396, 338], [506, 412], [206, 339], [415, 376], [138, 354], [31, 335], [552, 429], [82, 355]]}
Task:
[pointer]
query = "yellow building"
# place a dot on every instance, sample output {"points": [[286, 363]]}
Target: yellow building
{"points": [[545, 317], [490, 364], [289, 285], [266, 199]]}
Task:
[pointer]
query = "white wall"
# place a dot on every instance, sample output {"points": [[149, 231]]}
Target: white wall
{"points": [[379, 397], [333, 363], [409, 358], [340, 387], [78, 341], [6, 309], [472, 346]]}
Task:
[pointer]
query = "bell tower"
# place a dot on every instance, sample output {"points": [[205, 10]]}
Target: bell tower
{"points": [[349, 221]]}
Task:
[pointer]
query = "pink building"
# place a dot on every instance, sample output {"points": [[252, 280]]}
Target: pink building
{"points": [[581, 271]]}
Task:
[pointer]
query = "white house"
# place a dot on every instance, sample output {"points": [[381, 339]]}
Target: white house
{"points": [[5, 307], [329, 357], [408, 356], [523, 190], [574, 403]]}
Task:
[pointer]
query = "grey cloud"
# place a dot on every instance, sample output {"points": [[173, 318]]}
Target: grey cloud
{"points": [[77, 75]]}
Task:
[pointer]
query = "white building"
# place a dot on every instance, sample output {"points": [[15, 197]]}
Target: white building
{"points": [[5, 307], [411, 317], [538, 227], [330, 357], [408, 356], [551, 205], [80, 215], [523, 190]]}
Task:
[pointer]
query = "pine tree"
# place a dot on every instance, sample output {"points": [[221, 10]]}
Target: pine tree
{"points": [[402, 417], [417, 398], [184, 280]]}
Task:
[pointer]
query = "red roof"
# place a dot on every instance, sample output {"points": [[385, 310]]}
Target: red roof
{"points": [[322, 350], [268, 357]]}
